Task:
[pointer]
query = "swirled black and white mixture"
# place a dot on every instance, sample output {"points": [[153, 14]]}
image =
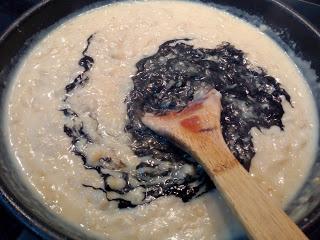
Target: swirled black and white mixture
{"points": [[168, 80], [78, 95]]}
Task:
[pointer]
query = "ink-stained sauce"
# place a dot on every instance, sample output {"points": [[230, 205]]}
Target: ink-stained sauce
{"points": [[169, 80], [78, 96]]}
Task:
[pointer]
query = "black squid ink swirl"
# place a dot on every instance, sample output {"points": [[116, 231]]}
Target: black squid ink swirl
{"points": [[168, 80]]}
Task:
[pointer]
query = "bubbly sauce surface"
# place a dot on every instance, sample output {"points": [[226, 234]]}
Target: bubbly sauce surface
{"points": [[73, 118]]}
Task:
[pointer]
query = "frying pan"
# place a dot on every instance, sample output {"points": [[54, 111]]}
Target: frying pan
{"points": [[290, 30]]}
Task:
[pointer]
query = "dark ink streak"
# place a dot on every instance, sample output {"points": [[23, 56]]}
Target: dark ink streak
{"points": [[86, 62], [68, 112], [94, 188], [84, 52]]}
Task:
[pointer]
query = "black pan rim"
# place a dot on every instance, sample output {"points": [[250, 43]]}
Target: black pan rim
{"points": [[298, 16], [8, 201], [46, 231]]}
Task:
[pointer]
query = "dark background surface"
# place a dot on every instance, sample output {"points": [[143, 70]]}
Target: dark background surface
{"points": [[10, 228]]}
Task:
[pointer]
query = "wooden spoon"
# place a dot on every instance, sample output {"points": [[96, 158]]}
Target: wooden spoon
{"points": [[197, 130]]}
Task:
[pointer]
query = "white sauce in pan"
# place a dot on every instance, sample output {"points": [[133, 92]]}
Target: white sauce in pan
{"points": [[124, 34]]}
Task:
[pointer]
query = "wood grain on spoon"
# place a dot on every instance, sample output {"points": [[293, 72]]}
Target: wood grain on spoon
{"points": [[197, 130]]}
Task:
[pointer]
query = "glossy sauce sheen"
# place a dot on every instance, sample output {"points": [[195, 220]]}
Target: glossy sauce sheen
{"points": [[74, 127]]}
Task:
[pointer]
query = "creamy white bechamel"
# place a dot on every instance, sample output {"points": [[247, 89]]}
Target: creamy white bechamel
{"points": [[124, 34]]}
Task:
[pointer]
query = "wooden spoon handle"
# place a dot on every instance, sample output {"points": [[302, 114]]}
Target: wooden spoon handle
{"points": [[261, 218], [197, 130]]}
